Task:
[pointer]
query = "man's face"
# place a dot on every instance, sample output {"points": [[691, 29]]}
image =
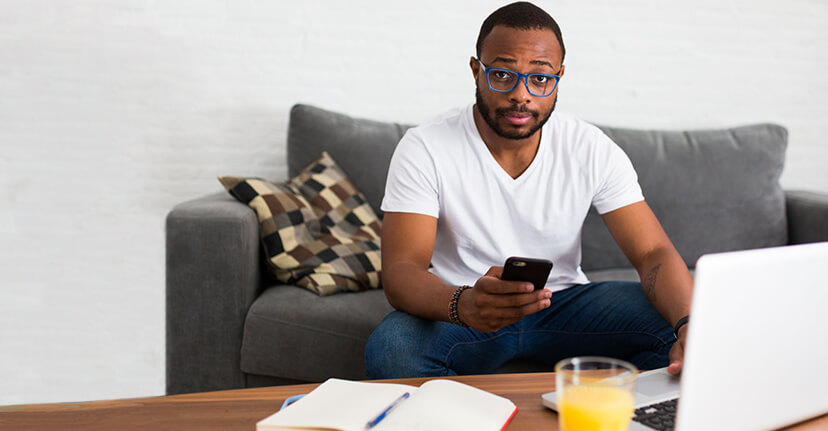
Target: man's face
{"points": [[517, 114]]}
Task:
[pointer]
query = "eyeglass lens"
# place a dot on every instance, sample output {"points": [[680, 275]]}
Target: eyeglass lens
{"points": [[505, 80]]}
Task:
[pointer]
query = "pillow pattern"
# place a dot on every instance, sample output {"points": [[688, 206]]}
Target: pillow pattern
{"points": [[317, 229]]}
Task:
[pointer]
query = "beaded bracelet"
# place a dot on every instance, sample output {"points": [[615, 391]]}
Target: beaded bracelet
{"points": [[452, 311]]}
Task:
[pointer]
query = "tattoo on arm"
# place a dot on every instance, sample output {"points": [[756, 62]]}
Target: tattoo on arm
{"points": [[649, 282]]}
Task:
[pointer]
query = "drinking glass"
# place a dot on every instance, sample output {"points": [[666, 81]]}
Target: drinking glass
{"points": [[595, 393]]}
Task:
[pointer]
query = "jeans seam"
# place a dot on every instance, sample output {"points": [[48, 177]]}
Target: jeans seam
{"points": [[466, 343], [664, 343], [580, 333], [648, 358]]}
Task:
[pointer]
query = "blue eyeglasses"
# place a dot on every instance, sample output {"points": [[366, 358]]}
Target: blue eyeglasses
{"points": [[505, 80]]}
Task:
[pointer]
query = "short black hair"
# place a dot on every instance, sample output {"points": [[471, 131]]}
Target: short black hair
{"points": [[521, 15]]}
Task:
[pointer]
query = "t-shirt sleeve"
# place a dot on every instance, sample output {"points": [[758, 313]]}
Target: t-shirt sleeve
{"points": [[412, 184], [616, 182]]}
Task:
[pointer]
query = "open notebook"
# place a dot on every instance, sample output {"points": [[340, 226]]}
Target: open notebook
{"points": [[436, 405]]}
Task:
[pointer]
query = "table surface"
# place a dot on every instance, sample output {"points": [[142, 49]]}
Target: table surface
{"points": [[240, 409]]}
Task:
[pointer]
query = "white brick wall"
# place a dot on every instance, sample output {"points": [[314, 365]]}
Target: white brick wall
{"points": [[113, 111]]}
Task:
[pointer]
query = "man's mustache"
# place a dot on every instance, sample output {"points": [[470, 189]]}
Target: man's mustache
{"points": [[514, 109]]}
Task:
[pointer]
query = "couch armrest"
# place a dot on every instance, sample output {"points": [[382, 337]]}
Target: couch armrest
{"points": [[807, 214], [213, 275]]}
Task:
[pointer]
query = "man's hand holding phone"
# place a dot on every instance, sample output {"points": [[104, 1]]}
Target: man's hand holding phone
{"points": [[494, 303]]}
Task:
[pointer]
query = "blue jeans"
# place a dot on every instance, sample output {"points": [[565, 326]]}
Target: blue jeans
{"points": [[606, 319]]}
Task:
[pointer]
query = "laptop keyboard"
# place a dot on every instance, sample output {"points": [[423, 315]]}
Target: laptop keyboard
{"points": [[659, 416]]}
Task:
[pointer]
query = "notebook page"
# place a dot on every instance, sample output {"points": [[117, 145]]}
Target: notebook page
{"points": [[336, 405], [449, 405]]}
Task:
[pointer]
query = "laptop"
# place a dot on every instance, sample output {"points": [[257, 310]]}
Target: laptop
{"points": [[757, 345]]}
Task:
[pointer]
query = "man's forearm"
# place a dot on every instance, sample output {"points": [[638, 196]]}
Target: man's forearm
{"points": [[666, 283], [416, 291]]}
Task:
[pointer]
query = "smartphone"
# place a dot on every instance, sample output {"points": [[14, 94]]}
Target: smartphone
{"points": [[535, 271]]}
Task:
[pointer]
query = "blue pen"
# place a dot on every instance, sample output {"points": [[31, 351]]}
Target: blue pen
{"points": [[291, 400], [384, 413]]}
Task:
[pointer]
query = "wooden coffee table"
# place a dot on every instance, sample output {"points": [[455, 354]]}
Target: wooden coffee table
{"points": [[240, 409]]}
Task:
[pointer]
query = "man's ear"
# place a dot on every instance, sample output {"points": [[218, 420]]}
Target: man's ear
{"points": [[563, 68], [475, 67]]}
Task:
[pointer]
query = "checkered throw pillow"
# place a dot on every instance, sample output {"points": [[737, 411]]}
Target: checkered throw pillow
{"points": [[317, 229]]}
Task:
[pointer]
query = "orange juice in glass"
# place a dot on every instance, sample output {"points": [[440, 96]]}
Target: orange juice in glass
{"points": [[595, 394]]}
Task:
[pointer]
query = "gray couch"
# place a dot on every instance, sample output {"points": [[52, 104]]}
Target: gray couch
{"points": [[230, 325]]}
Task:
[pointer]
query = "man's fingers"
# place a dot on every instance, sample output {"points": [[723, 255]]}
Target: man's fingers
{"points": [[496, 303], [496, 286], [495, 271], [675, 367], [676, 358], [534, 307], [486, 298], [523, 299], [521, 305]]}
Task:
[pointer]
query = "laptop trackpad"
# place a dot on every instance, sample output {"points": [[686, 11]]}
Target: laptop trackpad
{"points": [[656, 384]]}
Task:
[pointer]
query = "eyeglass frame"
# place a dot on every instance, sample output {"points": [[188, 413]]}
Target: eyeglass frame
{"points": [[525, 77]]}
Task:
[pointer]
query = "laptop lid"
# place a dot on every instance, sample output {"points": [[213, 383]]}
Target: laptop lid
{"points": [[756, 349]]}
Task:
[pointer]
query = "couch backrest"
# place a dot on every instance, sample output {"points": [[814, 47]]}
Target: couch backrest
{"points": [[362, 148], [712, 190]]}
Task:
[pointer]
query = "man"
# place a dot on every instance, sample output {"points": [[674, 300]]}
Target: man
{"points": [[508, 177]]}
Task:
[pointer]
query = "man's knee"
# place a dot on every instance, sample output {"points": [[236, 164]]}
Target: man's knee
{"points": [[624, 308], [399, 347]]}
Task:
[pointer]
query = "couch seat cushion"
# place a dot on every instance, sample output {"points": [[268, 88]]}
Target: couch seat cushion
{"points": [[318, 337], [311, 330]]}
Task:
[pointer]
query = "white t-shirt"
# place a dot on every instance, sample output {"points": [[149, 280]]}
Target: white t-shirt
{"points": [[443, 169]]}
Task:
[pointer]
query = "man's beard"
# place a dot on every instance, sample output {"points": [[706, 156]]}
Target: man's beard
{"points": [[483, 108]]}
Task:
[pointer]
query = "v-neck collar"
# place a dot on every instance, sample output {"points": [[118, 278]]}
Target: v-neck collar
{"points": [[485, 154]]}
